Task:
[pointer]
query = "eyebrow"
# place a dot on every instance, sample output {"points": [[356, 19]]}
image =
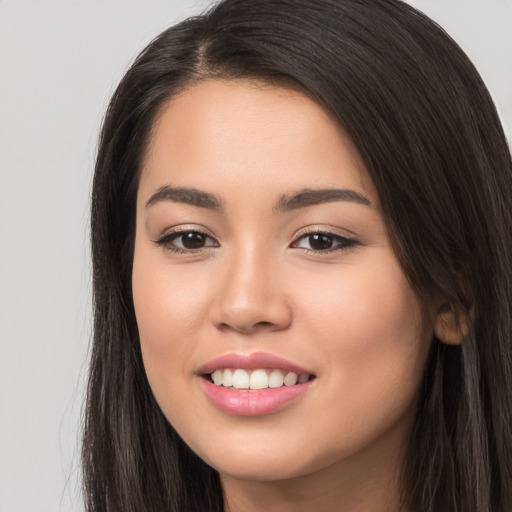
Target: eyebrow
{"points": [[302, 199], [310, 197], [186, 195]]}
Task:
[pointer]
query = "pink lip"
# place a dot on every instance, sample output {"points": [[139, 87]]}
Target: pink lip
{"points": [[246, 402], [251, 362]]}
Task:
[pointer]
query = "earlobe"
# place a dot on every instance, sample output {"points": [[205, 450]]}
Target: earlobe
{"points": [[452, 324]]}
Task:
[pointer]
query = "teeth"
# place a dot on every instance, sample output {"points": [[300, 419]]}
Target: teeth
{"points": [[240, 379], [303, 377], [275, 379], [290, 379], [257, 379], [217, 377], [227, 380]]}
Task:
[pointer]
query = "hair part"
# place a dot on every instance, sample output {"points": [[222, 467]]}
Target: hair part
{"points": [[431, 140]]}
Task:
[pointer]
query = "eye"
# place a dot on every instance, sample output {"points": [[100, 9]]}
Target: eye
{"points": [[322, 242], [188, 241]]}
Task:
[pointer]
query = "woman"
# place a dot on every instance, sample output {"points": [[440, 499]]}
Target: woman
{"points": [[301, 236]]}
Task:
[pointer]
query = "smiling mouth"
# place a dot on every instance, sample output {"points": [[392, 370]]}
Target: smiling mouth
{"points": [[257, 379], [254, 385]]}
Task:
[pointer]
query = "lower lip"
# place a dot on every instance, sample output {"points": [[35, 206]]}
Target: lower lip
{"points": [[245, 402]]}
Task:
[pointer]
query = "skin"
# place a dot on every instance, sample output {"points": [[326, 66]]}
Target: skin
{"points": [[349, 315]]}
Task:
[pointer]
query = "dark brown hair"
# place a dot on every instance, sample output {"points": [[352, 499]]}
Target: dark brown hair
{"points": [[432, 142]]}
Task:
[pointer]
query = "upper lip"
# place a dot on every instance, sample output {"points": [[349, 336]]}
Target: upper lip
{"points": [[251, 362]]}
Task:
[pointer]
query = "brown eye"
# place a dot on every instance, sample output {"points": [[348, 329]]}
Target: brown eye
{"points": [[193, 240], [186, 241], [320, 241], [323, 242]]}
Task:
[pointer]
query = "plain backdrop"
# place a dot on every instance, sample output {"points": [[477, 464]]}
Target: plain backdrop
{"points": [[60, 61]]}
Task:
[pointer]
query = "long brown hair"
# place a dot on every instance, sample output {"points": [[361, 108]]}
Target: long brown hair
{"points": [[432, 142]]}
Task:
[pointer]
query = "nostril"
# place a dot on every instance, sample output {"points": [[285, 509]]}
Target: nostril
{"points": [[247, 327]]}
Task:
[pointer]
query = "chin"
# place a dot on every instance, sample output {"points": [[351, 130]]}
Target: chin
{"points": [[265, 462], [262, 470]]}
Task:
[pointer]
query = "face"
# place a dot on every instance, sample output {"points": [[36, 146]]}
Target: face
{"points": [[262, 256]]}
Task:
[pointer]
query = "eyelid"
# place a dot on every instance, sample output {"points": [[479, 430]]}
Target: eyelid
{"points": [[185, 228], [324, 228]]}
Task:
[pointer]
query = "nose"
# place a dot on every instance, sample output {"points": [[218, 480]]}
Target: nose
{"points": [[251, 296]]}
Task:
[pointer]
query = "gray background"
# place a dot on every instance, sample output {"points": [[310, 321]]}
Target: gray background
{"points": [[60, 61]]}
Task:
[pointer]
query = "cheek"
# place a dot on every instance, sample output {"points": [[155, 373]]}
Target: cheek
{"points": [[366, 305], [170, 309], [167, 302], [369, 324]]}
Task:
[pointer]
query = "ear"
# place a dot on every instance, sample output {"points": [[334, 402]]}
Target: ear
{"points": [[452, 324]]}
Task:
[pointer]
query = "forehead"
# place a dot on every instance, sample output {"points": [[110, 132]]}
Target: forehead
{"points": [[218, 134]]}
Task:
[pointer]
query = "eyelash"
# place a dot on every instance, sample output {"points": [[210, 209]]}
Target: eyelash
{"points": [[340, 243]]}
